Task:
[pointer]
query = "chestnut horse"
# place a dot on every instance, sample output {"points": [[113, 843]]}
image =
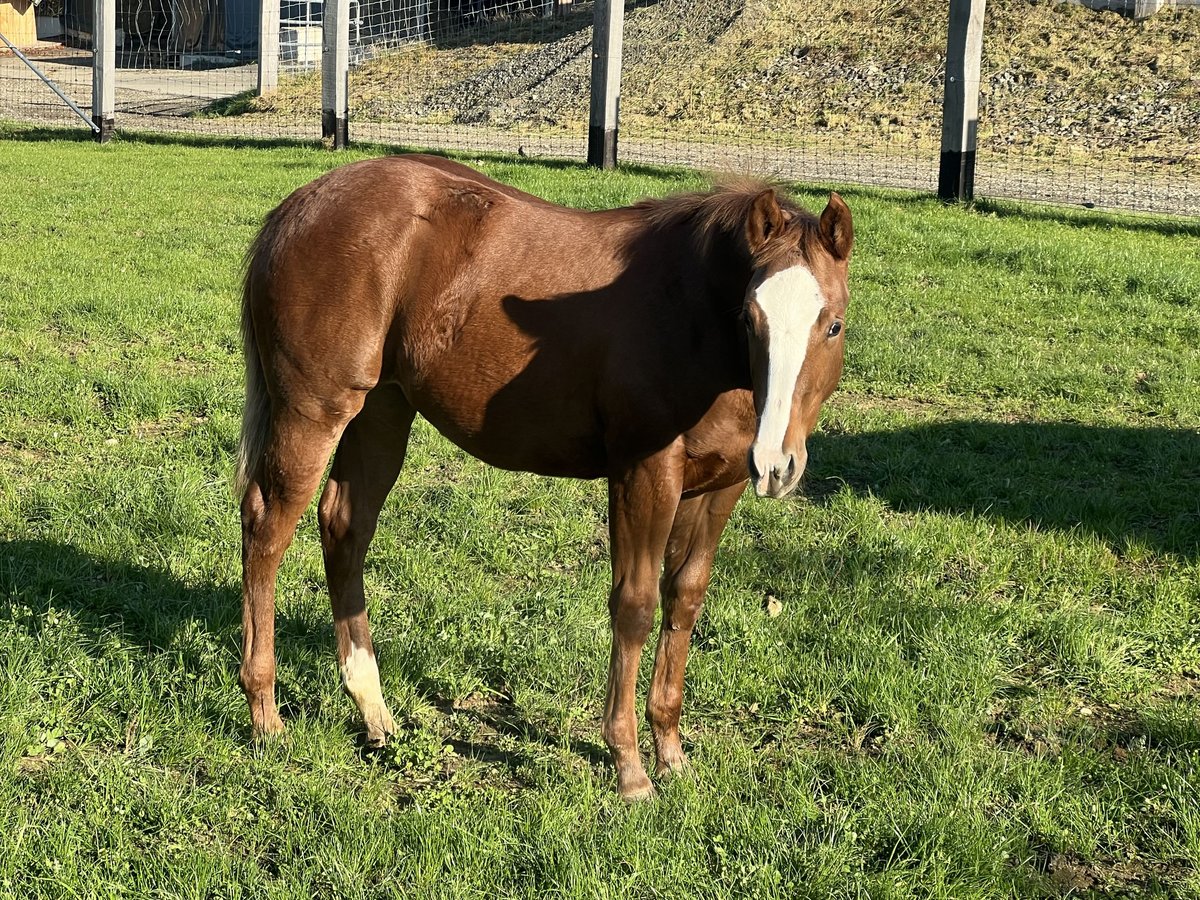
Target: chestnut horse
{"points": [[677, 348]]}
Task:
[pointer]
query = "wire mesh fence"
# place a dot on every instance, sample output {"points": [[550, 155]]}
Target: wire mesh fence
{"points": [[477, 75], [51, 44], [785, 87], [1095, 106], [193, 65]]}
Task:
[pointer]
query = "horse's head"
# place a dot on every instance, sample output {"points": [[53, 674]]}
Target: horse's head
{"points": [[794, 312]]}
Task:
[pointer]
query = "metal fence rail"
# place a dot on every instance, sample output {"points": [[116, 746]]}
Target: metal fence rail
{"points": [[1094, 106]]}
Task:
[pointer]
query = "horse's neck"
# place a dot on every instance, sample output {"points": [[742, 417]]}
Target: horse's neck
{"points": [[726, 274]]}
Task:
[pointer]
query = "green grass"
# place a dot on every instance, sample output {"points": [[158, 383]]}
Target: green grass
{"points": [[984, 681]]}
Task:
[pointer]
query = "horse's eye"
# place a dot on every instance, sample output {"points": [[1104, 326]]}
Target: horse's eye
{"points": [[835, 329]]}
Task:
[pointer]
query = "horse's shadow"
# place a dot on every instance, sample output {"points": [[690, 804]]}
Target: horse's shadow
{"points": [[1135, 491], [148, 610], [1125, 486], [152, 611]]}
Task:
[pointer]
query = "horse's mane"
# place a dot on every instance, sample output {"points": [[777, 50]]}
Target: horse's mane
{"points": [[723, 210]]}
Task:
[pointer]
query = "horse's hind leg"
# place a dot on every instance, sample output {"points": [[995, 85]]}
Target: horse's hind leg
{"points": [[279, 489], [365, 467], [699, 522]]}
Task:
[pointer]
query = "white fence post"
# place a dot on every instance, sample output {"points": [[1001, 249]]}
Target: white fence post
{"points": [[960, 110], [268, 46], [335, 72], [104, 68], [607, 31]]}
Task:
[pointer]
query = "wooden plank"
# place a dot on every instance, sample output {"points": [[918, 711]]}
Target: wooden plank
{"points": [[104, 68], [960, 108], [607, 32], [268, 46], [335, 73], [18, 22]]}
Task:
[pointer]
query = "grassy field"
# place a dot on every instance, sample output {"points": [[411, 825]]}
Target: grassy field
{"points": [[983, 680]]}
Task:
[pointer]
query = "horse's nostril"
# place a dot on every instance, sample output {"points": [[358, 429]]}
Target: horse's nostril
{"points": [[791, 469], [755, 474]]}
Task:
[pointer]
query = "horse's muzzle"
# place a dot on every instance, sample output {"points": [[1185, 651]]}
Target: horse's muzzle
{"points": [[776, 474]]}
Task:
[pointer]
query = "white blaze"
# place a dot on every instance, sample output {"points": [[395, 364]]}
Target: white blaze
{"points": [[790, 301]]}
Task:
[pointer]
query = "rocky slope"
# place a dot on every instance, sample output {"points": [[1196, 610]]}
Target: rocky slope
{"points": [[1057, 78]]}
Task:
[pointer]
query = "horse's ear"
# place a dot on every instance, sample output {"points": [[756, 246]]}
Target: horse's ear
{"points": [[837, 229], [765, 221]]}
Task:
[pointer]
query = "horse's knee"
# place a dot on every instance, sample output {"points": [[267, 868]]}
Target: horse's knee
{"points": [[333, 515], [345, 536], [664, 704], [631, 609], [684, 600]]}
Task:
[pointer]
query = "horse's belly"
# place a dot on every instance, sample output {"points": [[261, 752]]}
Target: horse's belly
{"points": [[511, 398], [530, 450], [543, 434]]}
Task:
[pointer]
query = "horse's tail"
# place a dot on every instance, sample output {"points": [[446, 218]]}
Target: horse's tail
{"points": [[256, 416]]}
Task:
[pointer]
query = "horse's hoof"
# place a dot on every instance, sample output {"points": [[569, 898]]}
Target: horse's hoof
{"points": [[380, 726], [672, 766], [637, 791], [268, 727]]}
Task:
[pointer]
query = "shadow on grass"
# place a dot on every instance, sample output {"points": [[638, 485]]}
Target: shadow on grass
{"points": [[144, 607], [150, 609], [1125, 486], [42, 134], [77, 133], [501, 717], [1104, 220]]}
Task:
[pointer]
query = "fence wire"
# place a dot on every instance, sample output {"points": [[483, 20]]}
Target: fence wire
{"points": [[1093, 106], [40, 34], [1096, 107], [782, 87], [474, 75]]}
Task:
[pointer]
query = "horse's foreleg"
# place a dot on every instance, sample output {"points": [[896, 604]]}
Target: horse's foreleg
{"points": [[686, 569], [642, 504], [280, 488], [365, 468]]}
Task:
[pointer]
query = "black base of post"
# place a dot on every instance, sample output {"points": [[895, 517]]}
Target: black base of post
{"points": [[956, 178], [602, 147], [335, 129], [104, 135]]}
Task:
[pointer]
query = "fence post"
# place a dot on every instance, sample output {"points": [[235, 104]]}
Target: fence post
{"points": [[335, 73], [268, 46], [104, 68], [608, 25], [960, 109]]}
